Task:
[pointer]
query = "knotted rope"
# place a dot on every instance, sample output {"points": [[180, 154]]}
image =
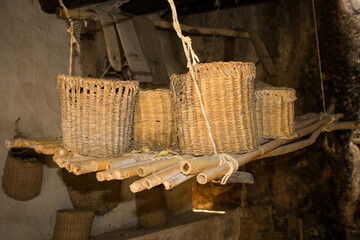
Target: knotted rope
{"points": [[192, 59], [70, 30]]}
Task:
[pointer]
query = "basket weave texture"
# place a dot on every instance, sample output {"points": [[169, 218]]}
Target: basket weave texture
{"points": [[73, 224], [227, 90], [22, 178], [275, 112], [97, 115], [87, 193], [154, 125], [151, 208]]}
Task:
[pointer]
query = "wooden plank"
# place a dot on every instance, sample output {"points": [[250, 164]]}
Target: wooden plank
{"points": [[151, 47], [111, 39], [132, 48], [87, 56]]}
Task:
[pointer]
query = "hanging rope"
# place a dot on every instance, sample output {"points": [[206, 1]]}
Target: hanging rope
{"points": [[319, 58], [70, 30], [192, 59], [217, 3]]}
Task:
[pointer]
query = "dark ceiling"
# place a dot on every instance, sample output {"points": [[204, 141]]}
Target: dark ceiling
{"points": [[137, 7]]}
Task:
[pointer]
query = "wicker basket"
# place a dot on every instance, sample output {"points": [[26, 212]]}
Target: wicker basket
{"points": [[87, 193], [227, 91], [73, 224], [97, 115], [154, 125], [22, 177], [275, 112], [151, 208]]}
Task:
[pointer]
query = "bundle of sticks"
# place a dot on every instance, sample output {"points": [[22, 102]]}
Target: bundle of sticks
{"points": [[171, 170]]}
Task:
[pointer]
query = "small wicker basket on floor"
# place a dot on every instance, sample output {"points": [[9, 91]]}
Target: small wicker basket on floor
{"points": [[151, 208], [227, 90], [87, 193], [154, 125], [97, 115], [275, 112], [22, 177], [73, 224]]}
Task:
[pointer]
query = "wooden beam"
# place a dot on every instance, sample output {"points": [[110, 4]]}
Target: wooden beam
{"points": [[191, 30], [50, 6]]}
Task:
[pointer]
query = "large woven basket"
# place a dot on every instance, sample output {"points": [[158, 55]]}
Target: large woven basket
{"points": [[97, 115], [275, 112], [154, 125], [87, 193], [73, 224], [151, 208], [227, 91], [22, 177]]}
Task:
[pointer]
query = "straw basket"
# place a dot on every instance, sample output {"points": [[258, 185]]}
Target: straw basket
{"points": [[154, 125], [151, 208], [97, 115], [275, 112], [22, 177], [227, 91], [87, 193], [73, 224]]}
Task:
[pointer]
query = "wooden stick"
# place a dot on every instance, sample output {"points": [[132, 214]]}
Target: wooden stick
{"points": [[157, 165], [100, 176], [200, 164], [294, 146], [342, 126], [81, 15], [173, 181]]}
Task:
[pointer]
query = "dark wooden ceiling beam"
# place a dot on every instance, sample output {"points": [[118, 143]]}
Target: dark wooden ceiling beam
{"points": [[184, 7], [49, 6]]}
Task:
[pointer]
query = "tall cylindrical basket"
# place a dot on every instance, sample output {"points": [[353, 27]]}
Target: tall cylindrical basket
{"points": [[73, 224], [227, 92], [97, 115]]}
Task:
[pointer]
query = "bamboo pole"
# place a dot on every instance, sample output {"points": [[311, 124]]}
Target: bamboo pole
{"points": [[137, 186], [192, 30], [157, 178], [128, 159], [243, 159], [200, 164], [294, 146], [176, 180], [128, 171], [161, 164]]}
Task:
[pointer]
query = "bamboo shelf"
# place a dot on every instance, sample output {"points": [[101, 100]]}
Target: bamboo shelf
{"points": [[171, 170]]}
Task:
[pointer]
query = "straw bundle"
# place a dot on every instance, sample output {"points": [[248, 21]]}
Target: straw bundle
{"points": [[227, 91], [275, 112], [153, 121], [97, 115], [87, 193], [22, 177], [73, 224], [151, 208]]}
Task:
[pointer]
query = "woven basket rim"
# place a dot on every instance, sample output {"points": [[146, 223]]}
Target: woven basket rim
{"points": [[287, 93], [98, 81]]}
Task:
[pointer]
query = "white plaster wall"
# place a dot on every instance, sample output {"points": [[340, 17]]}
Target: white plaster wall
{"points": [[34, 49]]}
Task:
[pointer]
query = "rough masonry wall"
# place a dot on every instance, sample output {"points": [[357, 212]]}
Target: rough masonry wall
{"points": [[34, 49]]}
